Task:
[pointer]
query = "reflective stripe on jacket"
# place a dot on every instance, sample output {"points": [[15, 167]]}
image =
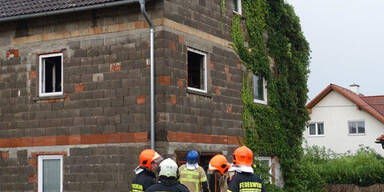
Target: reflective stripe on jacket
{"points": [[192, 179], [143, 180]]}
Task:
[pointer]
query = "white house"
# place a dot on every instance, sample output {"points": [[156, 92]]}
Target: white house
{"points": [[342, 119]]}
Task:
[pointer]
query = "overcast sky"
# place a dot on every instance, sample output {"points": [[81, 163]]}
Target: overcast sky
{"points": [[347, 43]]}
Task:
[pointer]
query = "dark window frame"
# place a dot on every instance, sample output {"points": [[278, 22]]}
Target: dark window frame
{"points": [[355, 125], [43, 74], [316, 129], [263, 88], [204, 71]]}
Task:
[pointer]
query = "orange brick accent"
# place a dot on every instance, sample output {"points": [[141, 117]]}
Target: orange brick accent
{"points": [[202, 138], [163, 118], [173, 99], [229, 108], [212, 65], [115, 67], [180, 83], [33, 75], [218, 90], [140, 100], [5, 155], [33, 179], [172, 46], [79, 87], [165, 80], [12, 53], [140, 24], [226, 69], [74, 140], [239, 65], [181, 39], [229, 77], [53, 100], [66, 97]]}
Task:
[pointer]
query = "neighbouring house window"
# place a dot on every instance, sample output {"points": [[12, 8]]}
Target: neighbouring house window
{"points": [[197, 70], [356, 127], [236, 4], [316, 129], [50, 173], [51, 75], [266, 162], [259, 90]]}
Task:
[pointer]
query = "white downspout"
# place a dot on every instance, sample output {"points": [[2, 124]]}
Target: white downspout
{"points": [[152, 58]]}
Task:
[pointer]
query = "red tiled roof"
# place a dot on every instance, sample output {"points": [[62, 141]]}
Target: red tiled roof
{"points": [[376, 102], [380, 138], [11, 8], [373, 105]]}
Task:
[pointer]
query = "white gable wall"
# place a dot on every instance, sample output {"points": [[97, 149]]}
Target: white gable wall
{"points": [[335, 111]]}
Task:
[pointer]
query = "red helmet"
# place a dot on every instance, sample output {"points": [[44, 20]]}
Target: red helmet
{"points": [[147, 156], [219, 163], [242, 156]]}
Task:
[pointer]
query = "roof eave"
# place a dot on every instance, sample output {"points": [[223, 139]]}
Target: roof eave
{"points": [[319, 97], [338, 89], [63, 11]]}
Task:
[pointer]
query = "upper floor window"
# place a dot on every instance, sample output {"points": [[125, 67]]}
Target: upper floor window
{"points": [[197, 70], [356, 127], [316, 129], [51, 74], [266, 162], [236, 4], [259, 90], [50, 173]]}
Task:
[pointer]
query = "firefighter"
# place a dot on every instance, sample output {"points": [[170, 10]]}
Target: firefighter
{"points": [[244, 179], [192, 175], [146, 171], [218, 173], [168, 176]]}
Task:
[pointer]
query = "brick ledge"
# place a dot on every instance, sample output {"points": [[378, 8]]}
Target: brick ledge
{"points": [[74, 140], [202, 138]]}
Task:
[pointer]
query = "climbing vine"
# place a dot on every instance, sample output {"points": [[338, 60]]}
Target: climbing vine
{"points": [[270, 43]]}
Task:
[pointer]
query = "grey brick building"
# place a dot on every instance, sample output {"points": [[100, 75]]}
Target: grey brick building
{"points": [[75, 88]]}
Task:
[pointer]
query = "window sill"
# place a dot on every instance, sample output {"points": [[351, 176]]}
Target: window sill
{"points": [[316, 136], [260, 102], [198, 92], [237, 13], [357, 134], [48, 97]]}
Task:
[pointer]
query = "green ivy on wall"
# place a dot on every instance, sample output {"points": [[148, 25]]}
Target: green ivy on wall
{"points": [[273, 35]]}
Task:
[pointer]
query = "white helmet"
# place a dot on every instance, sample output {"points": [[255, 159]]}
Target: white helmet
{"points": [[168, 168]]}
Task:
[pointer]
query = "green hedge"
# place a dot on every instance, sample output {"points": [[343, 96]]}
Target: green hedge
{"points": [[364, 168]]}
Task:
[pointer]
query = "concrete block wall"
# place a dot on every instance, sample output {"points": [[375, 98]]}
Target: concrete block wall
{"points": [[86, 168], [204, 15], [179, 110], [101, 122]]}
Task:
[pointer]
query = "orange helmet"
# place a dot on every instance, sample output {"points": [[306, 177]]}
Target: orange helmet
{"points": [[147, 156], [219, 163], [242, 156]]}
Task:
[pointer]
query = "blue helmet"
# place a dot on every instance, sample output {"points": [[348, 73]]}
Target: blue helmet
{"points": [[192, 157]]}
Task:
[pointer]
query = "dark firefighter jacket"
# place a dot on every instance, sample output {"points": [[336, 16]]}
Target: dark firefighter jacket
{"points": [[245, 182], [167, 185], [143, 180]]}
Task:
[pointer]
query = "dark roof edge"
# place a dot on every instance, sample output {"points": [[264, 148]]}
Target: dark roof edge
{"points": [[70, 10]]}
